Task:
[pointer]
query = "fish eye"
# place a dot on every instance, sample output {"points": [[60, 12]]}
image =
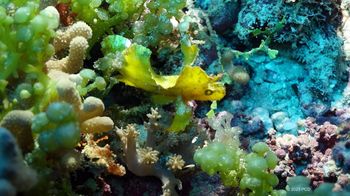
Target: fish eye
{"points": [[208, 92]]}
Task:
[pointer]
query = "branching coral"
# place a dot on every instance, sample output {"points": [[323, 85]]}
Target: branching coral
{"points": [[76, 38], [63, 38], [86, 115], [89, 112], [143, 164], [74, 62]]}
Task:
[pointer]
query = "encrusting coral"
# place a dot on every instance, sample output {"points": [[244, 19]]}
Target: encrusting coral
{"points": [[19, 123], [309, 153]]}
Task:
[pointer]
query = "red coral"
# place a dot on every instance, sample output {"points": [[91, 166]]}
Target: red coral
{"points": [[66, 16], [326, 136], [102, 156]]}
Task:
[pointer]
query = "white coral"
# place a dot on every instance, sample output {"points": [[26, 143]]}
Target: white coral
{"points": [[74, 62], [63, 38]]}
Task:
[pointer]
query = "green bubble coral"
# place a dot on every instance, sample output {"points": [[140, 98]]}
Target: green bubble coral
{"points": [[252, 172], [25, 36], [238, 169]]}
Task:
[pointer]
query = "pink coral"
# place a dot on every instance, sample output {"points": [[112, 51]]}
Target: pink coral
{"points": [[312, 147]]}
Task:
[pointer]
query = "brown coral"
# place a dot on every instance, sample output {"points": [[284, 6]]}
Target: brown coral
{"points": [[19, 123]]}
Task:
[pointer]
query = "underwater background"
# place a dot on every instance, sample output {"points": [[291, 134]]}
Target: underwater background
{"points": [[174, 97]]}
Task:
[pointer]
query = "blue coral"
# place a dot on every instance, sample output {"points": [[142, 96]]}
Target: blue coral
{"points": [[341, 154]]}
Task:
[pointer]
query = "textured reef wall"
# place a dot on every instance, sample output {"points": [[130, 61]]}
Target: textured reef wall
{"points": [[307, 76]]}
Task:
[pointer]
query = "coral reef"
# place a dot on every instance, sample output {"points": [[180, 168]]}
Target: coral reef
{"points": [[89, 112], [174, 97]]}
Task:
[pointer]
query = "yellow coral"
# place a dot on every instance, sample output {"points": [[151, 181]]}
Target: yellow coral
{"points": [[148, 155], [175, 162]]}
